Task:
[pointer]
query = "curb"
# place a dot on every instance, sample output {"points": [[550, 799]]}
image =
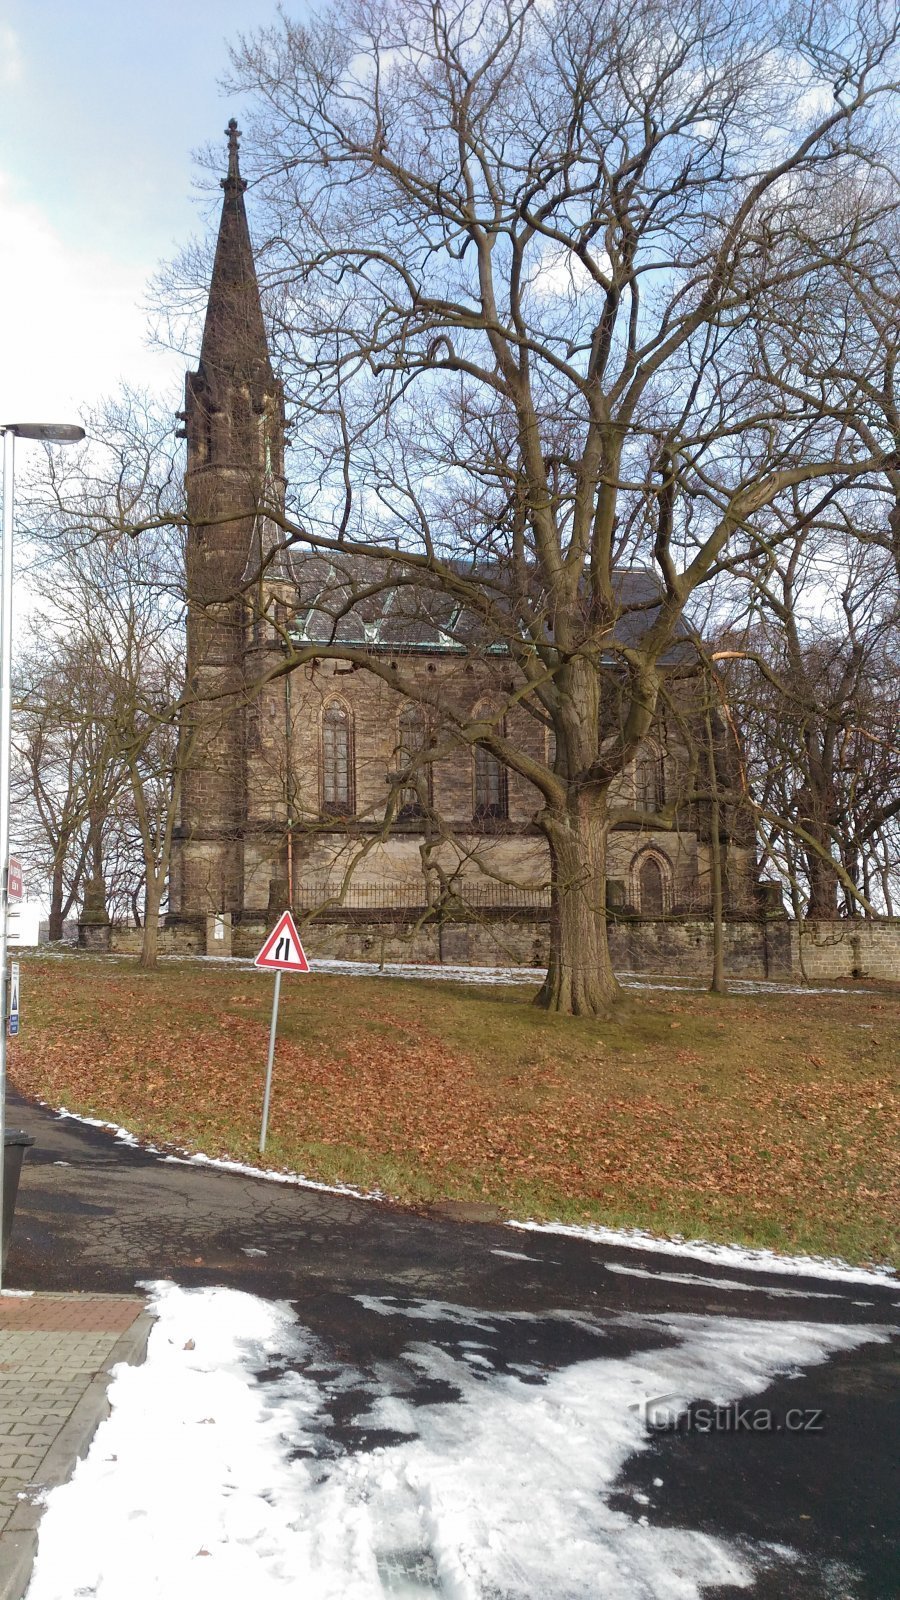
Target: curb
{"points": [[19, 1540]]}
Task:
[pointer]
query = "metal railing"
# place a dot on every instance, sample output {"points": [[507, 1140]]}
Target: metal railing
{"points": [[390, 895]]}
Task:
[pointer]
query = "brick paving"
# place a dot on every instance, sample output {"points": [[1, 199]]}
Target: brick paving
{"points": [[55, 1353]]}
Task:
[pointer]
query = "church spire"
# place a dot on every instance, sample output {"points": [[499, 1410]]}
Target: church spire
{"points": [[234, 179], [234, 348]]}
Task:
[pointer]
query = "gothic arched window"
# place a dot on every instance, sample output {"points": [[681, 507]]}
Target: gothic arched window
{"points": [[652, 884], [652, 897], [491, 786], [413, 739], [337, 761]]}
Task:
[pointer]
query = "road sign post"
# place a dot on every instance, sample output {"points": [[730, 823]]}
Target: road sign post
{"points": [[273, 1029], [282, 952]]}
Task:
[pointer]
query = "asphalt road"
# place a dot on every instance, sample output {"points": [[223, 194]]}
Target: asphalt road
{"points": [[94, 1214]]}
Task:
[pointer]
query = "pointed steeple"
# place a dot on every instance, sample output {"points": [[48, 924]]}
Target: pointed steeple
{"points": [[234, 347]]}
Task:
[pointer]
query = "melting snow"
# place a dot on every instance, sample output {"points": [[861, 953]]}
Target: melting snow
{"points": [[508, 975], [486, 975], [741, 1257], [725, 1283], [205, 1482]]}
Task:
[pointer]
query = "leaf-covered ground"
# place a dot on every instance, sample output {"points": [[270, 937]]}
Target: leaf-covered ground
{"points": [[768, 1119]]}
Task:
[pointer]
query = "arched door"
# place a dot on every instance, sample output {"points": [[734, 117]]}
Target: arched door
{"points": [[650, 878]]}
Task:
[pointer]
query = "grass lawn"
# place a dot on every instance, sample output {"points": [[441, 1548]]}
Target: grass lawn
{"points": [[765, 1119]]}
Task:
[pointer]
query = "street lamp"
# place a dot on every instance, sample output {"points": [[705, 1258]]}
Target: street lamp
{"points": [[50, 433]]}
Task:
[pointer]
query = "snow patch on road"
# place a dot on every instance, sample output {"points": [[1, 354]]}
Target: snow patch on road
{"points": [[207, 1482], [295, 1178], [737, 1256], [693, 1279], [122, 1134]]}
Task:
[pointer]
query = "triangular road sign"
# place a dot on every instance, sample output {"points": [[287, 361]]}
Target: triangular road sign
{"points": [[282, 950]]}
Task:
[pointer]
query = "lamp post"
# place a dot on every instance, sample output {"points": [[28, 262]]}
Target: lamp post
{"points": [[50, 433]]}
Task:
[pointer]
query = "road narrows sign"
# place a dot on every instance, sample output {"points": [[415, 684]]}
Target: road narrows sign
{"points": [[282, 951]]}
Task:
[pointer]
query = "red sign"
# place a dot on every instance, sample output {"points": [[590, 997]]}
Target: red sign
{"points": [[283, 950], [14, 885]]}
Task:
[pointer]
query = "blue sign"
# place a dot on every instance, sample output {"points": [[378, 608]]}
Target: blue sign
{"points": [[14, 999]]}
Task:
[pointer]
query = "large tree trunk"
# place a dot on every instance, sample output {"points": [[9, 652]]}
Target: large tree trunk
{"points": [[150, 938], [717, 983], [823, 888], [818, 815], [580, 980], [55, 928]]}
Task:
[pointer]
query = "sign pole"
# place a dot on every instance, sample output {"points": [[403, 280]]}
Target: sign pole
{"points": [[282, 952], [6, 578], [268, 1093]]}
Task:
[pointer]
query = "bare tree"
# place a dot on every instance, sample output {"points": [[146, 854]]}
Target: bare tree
{"points": [[67, 771], [811, 679], [511, 249], [123, 601]]}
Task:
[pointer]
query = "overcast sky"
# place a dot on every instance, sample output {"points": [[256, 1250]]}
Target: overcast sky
{"points": [[101, 107]]}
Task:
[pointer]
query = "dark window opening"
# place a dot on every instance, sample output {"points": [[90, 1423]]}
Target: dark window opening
{"points": [[651, 781], [415, 796], [337, 762], [491, 787], [652, 889]]}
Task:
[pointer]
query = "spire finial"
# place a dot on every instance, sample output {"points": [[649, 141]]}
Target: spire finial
{"points": [[234, 179]]}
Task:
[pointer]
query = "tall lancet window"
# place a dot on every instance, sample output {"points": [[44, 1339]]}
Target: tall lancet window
{"points": [[337, 761], [415, 796], [491, 786], [650, 779], [652, 883], [653, 902]]}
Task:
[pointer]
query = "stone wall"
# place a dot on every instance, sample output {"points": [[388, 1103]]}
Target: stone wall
{"points": [[846, 949], [673, 946], [684, 947]]}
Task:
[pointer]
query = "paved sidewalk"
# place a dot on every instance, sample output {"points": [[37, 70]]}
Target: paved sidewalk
{"points": [[56, 1353]]}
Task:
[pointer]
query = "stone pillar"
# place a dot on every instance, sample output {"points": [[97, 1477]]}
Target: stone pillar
{"points": [[218, 934], [94, 926]]}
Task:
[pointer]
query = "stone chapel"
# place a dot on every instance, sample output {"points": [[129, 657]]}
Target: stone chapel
{"points": [[303, 788]]}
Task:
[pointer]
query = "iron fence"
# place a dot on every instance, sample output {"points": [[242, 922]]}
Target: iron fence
{"points": [[389, 895]]}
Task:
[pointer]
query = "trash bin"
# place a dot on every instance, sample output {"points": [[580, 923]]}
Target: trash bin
{"points": [[15, 1143]]}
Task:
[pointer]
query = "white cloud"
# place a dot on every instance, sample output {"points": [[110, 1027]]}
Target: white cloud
{"points": [[12, 64], [561, 272], [73, 327]]}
